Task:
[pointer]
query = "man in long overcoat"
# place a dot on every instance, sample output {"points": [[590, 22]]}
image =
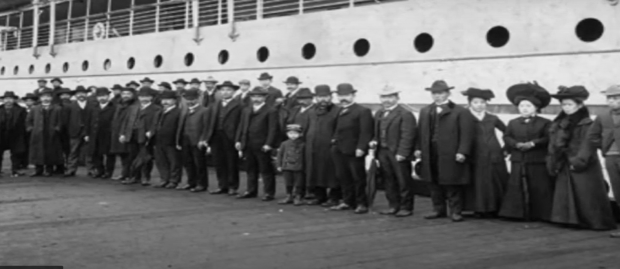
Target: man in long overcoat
{"points": [[44, 123], [30, 100], [124, 119], [211, 94], [274, 95], [446, 136], [99, 134], [189, 133], [78, 118], [12, 130]]}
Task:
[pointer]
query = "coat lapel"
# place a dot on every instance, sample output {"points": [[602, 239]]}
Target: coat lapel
{"points": [[231, 105], [446, 110]]}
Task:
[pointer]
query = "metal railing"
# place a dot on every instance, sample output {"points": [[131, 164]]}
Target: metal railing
{"points": [[161, 17]]}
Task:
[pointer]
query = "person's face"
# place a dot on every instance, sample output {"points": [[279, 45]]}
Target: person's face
{"points": [[81, 96], [569, 106], [389, 100], [194, 85], [147, 84], [126, 95], [478, 104], [526, 108], [440, 97], [244, 87], [56, 84], [29, 103], [291, 86], [161, 88], [227, 92], [168, 102], [323, 100], [346, 99], [116, 92], [292, 135], [42, 84], [145, 99], [9, 101], [180, 85], [191, 102], [210, 85], [134, 86], [265, 83], [304, 101], [613, 102], [46, 99], [65, 96], [103, 98], [257, 99]]}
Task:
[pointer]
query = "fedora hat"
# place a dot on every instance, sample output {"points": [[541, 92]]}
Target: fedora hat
{"points": [[191, 94], [292, 80], [147, 91], [46, 91], [134, 83], [10, 94], [168, 94], [30, 96], [147, 79], [57, 80], [532, 92], [265, 76], [613, 90], [479, 93], [439, 86], [102, 91], [165, 85], [577, 92], [210, 79], [304, 93], [195, 81], [180, 81], [258, 91], [345, 89], [228, 84], [80, 89], [129, 89], [117, 87], [322, 90], [388, 90]]}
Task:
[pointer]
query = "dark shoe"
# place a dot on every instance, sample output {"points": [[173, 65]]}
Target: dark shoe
{"points": [[391, 211], [404, 213], [130, 181], [37, 174], [298, 201], [288, 200], [435, 215], [361, 210], [219, 191], [340, 207], [145, 183], [171, 186], [69, 174], [314, 202], [198, 189], [161, 185], [457, 217], [329, 203], [47, 174], [233, 193], [106, 176], [119, 178], [267, 198], [246, 195], [615, 235]]}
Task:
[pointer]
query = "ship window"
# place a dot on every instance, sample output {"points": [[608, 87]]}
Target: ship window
{"points": [[31, 69], [131, 63], [189, 59], [308, 51], [65, 67], [158, 61], [423, 42], [107, 64], [498, 36], [223, 57], [48, 68], [16, 70], [262, 54], [85, 66], [361, 47], [589, 30]]}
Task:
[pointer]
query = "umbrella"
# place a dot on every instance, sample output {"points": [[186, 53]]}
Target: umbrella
{"points": [[143, 157], [373, 178], [526, 192]]}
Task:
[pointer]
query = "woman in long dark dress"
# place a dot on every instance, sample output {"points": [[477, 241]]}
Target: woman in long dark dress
{"points": [[489, 172], [529, 192], [580, 198]]}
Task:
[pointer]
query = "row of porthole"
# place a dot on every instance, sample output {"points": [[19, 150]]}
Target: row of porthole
{"points": [[587, 30]]}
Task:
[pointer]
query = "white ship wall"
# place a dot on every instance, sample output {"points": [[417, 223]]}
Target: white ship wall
{"points": [[543, 46]]}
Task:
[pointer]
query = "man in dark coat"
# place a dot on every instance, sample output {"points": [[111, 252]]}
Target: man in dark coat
{"points": [[210, 95], [64, 95], [179, 86], [167, 146], [44, 123], [132, 84], [30, 100], [99, 134], [354, 130], [78, 119], [42, 85], [320, 163], [122, 131], [274, 96], [257, 139], [57, 88], [220, 132], [395, 129], [287, 103], [12, 131], [147, 82], [193, 120], [116, 94], [446, 135], [243, 94]]}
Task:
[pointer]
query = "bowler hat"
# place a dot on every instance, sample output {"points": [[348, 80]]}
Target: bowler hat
{"points": [[168, 94], [244, 82], [322, 90], [147, 91], [294, 128], [64, 91], [46, 91], [575, 92], [42, 80], [57, 80], [439, 86], [147, 79], [479, 93], [210, 79], [165, 85], [304, 93], [102, 91], [9, 94], [129, 89], [265, 76], [345, 89], [532, 92], [613, 90], [228, 84], [292, 80], [30, 96], [258, 91], [132, 83], [180, 81], [388, 90], [191, 94], [80, 88], [195, 81], [117, 87]]}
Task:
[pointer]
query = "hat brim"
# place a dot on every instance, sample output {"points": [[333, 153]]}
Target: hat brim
{"points": [[388, 93], [439, 89], [210, 81], [292, 82], [10, 96], [235, 87], [265, 78]]}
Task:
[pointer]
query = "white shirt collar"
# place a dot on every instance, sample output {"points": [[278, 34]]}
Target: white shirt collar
{"points": [[347, 106], [194, 106], [478, 115], [391, 108], [304, 109], [257, 107], [82, 104], [103, 105], [170, 108], [443, 103], [226, 101], [144, 106]]}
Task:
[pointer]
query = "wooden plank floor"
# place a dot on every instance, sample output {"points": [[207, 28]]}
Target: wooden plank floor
{"points": [[89, 223]]}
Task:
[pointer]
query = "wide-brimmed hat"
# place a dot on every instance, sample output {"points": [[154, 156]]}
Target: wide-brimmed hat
{"points": [[577, 92], [133, 82], [147, 91], [195, 81], [117, 87], [80, 88], [292, 80], [322, 90], [388, 90], [30, 96], [102, 91], [258, 91], [168, 94], [57, 80], [46, 91], [210, 79], [64, 91], [439, 86], [532, 92], [9, 94], [191, 94], [42, 80], [180, 81], [165, 85], [613, 90], [485, 94], [294, 128], [304, 93], [228, 84], [147, 79], [265, 76], [345, 89]]}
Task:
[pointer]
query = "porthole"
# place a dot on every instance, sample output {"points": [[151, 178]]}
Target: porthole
{"points": [[498, 36], [308, 51], [423, 42], [262, 54], [31, 69], [48, 68], [189, 59], [107, 64], [131, 63], [65, 67], [2, 70], [589, 30], [16, 70], [223, 57], [158, 61], [85, 66], [361, 47]]}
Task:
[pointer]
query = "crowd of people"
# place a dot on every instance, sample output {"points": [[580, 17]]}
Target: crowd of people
{"points": [[555, 173]]}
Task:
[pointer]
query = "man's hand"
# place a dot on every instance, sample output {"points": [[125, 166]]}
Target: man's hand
{"points": [[460, 158], [202, 144], [86, 138], [417, 154], [179, 147], [149, 134], [238, 145], [122, 139], [400, 158], [266, 148], [279, 100], [359, 153], [372, 144]]}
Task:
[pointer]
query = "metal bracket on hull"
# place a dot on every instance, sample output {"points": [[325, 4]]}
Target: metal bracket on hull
{"points": [[197, 38], [53, 50], [233, 31], [612, 2], [35, 52]]}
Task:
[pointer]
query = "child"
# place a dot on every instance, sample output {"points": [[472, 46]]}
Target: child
{"points": [[290, 163]]}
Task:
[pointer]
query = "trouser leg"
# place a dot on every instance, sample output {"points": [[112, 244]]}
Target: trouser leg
{"points": [[267, 172], [389, 178], [163, 165], [454, 194], [438, 198], [300, 183], [110, 161], [358, 170], [612, 165], [74, 154], [252, 169], [345, 178]]}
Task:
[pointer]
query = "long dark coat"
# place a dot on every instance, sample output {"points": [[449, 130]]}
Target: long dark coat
{"points": [[455, 134], [489, 171], [45, 146], [99, 129], [320, 170], [580, 197], [13, 134], [232, 117], [400, 133], [124, 118]]}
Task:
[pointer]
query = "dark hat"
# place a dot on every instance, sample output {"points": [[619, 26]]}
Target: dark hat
{"points": [[479, 93], [344, 89], [42, 80], [294, 128], [528, 91], [304, 93], [117, 87], [46, 91], [30, 96], [57, 79], [166, 84], [191, 94], [228, 84], [265, 76], [102, 91], [147, 91], [292, 80], [10, 94], [258, 91], [147, 79], [80, 89], [129, 89], [64, 91], [182, 81], [168, 94], [133, 82], [575, 92], [322, 90], [195, 81], [439, 86]]}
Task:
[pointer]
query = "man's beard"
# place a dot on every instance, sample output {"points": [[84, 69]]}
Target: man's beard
{"points": [[344, 102], [324, 103]]}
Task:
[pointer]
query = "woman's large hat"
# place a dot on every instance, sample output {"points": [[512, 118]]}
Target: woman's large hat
{"points": [[532, 92], [575, 92], [479, 93]]}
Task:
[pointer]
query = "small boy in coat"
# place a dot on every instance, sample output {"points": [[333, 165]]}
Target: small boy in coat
{"points": [[291, 164]]}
